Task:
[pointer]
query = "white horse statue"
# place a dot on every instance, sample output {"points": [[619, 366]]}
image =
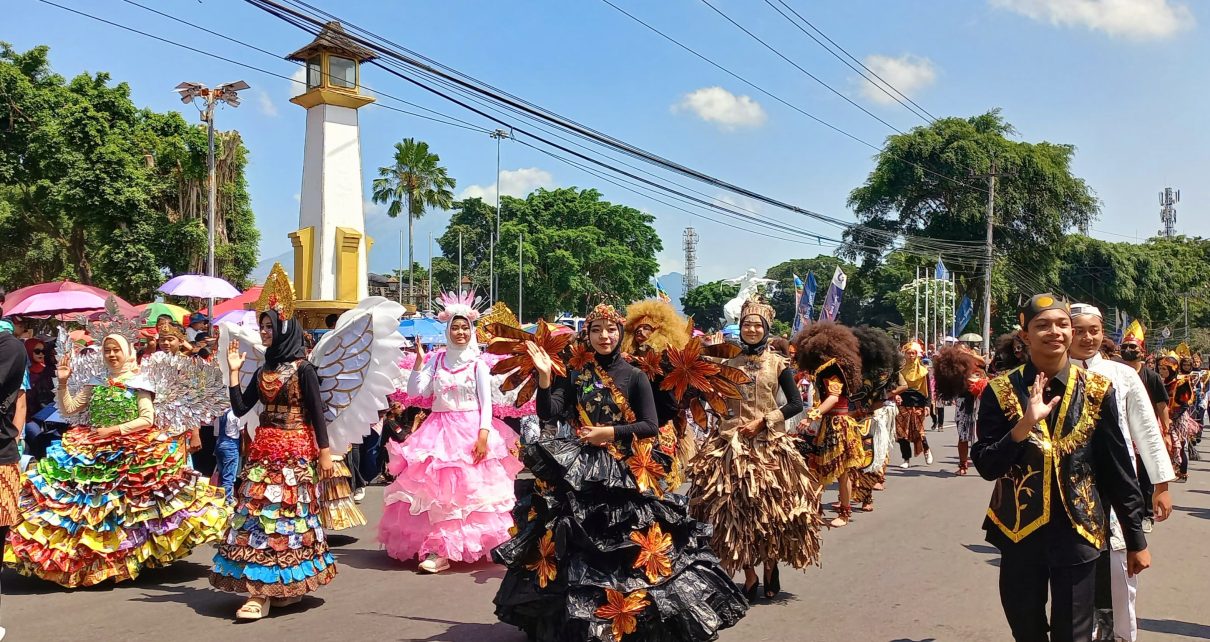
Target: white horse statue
{"points": [[748, 285]]}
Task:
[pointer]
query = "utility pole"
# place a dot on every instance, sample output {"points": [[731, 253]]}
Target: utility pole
{"points": [[991, 177], [493, 287], [916, 319], [1168, 201], [192, 92], [459, 288], [520, 277]]}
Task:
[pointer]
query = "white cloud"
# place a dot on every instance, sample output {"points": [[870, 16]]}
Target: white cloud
{"points": [[298, 82], [717, 105], [1132, 19], [373, 210], [513, 182], [265, 102], [907, 73], [742, 203]]}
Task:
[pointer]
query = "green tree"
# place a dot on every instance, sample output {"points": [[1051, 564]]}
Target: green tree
{"points": [[921, 186], [413, 184], [99, 191], [705, 303], [576, 250]]}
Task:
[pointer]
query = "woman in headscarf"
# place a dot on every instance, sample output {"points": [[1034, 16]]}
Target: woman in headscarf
{"points": [[41, 393], [749, 467], [275, 550], [604, 549], [915, 398], [453, 491], [114, 495]]}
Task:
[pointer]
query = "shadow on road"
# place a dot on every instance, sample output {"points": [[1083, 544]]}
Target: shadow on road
{"points": [[1200, 513], [180, 572], [984, 549], [336, 540], [212, 603], [920, 472], [1175, 627], [374, 560], [465, 631]]}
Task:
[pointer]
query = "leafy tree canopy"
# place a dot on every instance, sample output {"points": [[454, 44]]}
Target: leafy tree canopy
{"points": [[705, 303]]}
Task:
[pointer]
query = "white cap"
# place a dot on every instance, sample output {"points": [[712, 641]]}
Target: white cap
{"points": [[1083, 309]]}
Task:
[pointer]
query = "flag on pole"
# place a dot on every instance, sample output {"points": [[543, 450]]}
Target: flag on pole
{"points": [[798, 287], [806, 301], [659, 292], [966, 310], [831, 302], [941, 273]]}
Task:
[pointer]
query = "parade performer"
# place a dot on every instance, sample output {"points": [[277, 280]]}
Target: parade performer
{"points": [[1050, 439], [916, 398], [1139, 426], [961, 376], [275, 549], [749, 466], [1180, 403], [653, 326], [604, 550], [115, 495], [453, 489], [1009, 353], [830, 352], [880, 360]]}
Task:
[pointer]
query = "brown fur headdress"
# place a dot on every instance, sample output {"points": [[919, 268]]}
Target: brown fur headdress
{"points": [[819, 342], [669, 329]]}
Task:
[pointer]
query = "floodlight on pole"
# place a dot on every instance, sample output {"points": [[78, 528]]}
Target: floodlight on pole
{"points": [[205, 99]]}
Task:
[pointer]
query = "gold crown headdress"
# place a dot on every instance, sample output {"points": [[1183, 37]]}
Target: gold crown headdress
{"points": [[759, 308], [277, 295], [1183, 351], [1134, 332]]}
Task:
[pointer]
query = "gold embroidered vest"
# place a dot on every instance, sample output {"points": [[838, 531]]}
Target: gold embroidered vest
{"points": [[1021, 500]]}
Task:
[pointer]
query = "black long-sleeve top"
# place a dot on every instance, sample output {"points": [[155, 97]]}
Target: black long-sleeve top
{"points": [[243, 401], [995, 452], [789, 388], [559, 400]]}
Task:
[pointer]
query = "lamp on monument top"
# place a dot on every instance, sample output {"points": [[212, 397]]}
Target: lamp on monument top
{"points": [[330, 245]]}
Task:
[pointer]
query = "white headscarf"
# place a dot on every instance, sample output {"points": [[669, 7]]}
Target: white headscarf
{"points": [[129, 363], [459, 356]]}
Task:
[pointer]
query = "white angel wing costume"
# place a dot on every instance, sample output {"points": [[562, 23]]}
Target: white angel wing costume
{"points": [[188, 392], [357, 364], [254, 357], [87, 369]]}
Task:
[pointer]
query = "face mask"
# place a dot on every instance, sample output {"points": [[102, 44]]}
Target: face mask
{"points": [[1130, 353]]}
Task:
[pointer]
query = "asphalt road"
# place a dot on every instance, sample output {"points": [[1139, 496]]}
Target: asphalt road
{"points": [[914, 570]]}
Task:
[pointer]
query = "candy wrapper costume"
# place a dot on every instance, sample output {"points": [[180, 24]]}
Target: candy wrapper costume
{"points": [[105, 508]]}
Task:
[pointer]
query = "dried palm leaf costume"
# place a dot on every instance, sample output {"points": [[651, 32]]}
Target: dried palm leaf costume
{"points": [[880, 360], [757, 491], [652, 327], [829, 351], [916, 398], [604, 550]]}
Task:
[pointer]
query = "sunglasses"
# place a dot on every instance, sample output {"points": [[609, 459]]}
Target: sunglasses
{"points": [[39, 351]]}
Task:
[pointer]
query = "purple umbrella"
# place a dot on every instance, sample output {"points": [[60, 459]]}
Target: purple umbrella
{"points": [[200, 286], [58, 303]]}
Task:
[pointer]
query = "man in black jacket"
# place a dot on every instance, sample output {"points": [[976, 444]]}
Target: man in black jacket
{"points": [[13, 382], [1049, 438]]}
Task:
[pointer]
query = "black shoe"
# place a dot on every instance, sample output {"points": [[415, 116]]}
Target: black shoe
{"points": [[751, 592], [773, 586]]}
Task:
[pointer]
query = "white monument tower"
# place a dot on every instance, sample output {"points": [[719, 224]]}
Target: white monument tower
{"points": [[330, 245]]}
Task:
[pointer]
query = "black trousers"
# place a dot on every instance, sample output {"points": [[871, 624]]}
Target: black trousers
{"points": [[905, 447], [1024, 584], [1147, 487]]}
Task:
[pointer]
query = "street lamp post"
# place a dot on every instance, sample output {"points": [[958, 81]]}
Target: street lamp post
{"points": [[205, 99], [499, 135]]}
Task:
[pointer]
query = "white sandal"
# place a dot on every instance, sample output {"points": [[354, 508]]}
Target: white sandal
{"points": [[253, 610]]}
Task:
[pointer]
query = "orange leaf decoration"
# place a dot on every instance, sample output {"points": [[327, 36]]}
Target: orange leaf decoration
{"points": [[622, 610], [654, 546], [580, 356], [511, 341], [646, 470], [545, 566], [723, 350], [688, 370], [652, 364]]}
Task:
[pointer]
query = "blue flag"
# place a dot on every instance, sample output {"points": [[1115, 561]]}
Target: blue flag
{"points": [[941, 273], [806, 302], [831, 302], [966, 310]]}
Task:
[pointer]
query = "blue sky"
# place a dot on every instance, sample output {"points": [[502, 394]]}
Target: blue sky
{"points": [[1125, 81]]}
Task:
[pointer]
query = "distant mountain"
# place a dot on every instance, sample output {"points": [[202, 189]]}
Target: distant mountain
{"points": [[261, 271], [672, 284]]}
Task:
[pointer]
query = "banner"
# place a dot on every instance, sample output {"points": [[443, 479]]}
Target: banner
{"points": [[798, 286], [966, 311], [831, 302], [941, 273], [659, 292], [806, 302]]}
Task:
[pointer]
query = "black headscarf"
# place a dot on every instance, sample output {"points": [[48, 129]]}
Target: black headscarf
{"points": [[759, 346], [287, 343]]}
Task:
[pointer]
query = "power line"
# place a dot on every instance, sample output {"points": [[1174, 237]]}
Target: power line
{"points": [[917, 108]]}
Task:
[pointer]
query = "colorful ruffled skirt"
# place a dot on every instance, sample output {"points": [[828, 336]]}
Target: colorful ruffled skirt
{"points": [[760, 498], [836, 448], [441, 501], [337, 510], [97, 508], [275, 546]]}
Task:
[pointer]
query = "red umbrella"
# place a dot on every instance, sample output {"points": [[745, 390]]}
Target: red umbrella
{"points": [[61, 298], [240, 302]]}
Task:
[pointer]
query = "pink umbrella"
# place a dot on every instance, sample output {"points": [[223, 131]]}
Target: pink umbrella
{"points": [[199, 286], [60, 297], [240, 302]]}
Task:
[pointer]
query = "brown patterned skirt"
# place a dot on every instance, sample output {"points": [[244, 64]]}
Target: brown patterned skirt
{"points": [[10, 492]]}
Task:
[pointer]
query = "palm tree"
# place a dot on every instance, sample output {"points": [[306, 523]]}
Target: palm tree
{"points": [[414, 183]]}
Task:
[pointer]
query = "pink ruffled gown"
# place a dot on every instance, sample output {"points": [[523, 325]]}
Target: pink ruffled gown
{"points": [[441, 502]]}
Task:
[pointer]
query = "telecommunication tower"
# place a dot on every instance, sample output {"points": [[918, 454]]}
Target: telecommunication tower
{"points": [[689, 281], [1168, 200]]}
